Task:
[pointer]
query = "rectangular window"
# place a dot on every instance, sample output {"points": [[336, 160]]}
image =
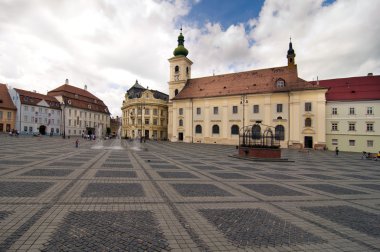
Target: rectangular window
{"points": [[155, 112], [40, 109], [334, 127], [369, 126], [279, 108], [369, 143], [234, 109], [9, 115], [69, 112], [147, 111], [25, 108], [154, 121], [146, 121], [30, 129], [352, 111], [1, 115], [25, 118], [180, 111], [198, 111], [351, 142], [216, 110], [25, 128], [334, 141], [369, 110], [308, 106], [32, 109], [256, 109], [69, 122], [334, 111], [351, 127]]}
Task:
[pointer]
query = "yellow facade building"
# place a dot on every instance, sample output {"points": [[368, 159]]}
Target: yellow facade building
{"points": [[144, 113], [214, 109], [7, 110]]}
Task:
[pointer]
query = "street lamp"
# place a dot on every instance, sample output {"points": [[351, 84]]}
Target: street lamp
{"points": [[243, 101], [142, 107], [64, 119]]}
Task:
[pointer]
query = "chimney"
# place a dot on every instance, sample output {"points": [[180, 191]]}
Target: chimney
{"points": [[370, 74], [85, 87], [67, 82]]}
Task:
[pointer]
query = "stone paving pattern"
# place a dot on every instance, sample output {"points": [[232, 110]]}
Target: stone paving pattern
{"points": [[119, 195]]}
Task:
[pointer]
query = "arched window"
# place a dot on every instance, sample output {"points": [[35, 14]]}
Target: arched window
{"points": [[235, 130], [256, 131], [215, 129], [176, 69], [279, 132], [308, 122], [175, 92], [198, 129], [180, 123]]}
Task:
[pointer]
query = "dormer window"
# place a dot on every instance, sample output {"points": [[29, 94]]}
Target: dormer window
{"points": [[280, 83]]}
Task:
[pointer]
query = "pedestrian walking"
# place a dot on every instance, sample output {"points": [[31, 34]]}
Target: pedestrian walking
{"points": [[336, 151], [77, 143]]}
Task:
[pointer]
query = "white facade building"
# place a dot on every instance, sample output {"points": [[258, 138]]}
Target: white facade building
{"points": [[36, 113]]}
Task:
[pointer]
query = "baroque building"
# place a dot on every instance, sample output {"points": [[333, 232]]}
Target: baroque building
{"points": [[144, 113], [353, 113], [82, 112], [7, 110], [37, 113], [214, 109]]}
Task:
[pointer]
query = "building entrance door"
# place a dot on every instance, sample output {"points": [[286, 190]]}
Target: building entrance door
{"points": [[180, 136], [146, 134], [308, 142], [42, 129]]}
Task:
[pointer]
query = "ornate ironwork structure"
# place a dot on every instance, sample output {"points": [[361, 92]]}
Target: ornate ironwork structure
{"points": [[253, 136]]}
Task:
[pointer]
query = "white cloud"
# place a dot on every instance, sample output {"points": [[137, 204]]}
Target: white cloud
{"points": [[107, 45]]}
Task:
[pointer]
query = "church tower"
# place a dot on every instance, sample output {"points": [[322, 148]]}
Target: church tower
{"points": [[291, 55], [180, 68]]}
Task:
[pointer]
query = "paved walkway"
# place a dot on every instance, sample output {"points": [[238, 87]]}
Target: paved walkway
{"points": [[119, 196]]}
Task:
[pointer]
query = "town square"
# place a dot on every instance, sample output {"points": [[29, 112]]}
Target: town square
{"points": [[189, 125], [120, 195]]}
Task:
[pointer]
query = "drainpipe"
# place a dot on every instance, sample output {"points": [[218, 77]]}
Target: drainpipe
{"points": [[192, 121], [288, 118]]}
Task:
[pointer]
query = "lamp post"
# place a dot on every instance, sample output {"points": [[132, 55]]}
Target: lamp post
{"points": [[142, 107], [243, 101], [64, 119]]}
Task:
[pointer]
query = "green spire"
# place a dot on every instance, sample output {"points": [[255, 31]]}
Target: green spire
{"points": [[181, 50]]}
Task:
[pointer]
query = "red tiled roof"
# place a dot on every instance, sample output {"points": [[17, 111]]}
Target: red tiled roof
{"points": [[33, 98], [5, 99], [68, 89], [79, 98], [250, 82], [353, 88]]}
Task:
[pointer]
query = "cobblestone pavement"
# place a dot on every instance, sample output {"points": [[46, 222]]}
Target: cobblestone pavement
{"points": [[118, 195]]}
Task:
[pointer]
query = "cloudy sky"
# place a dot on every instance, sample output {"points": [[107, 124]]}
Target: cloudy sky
{"points": [[108, 44]]}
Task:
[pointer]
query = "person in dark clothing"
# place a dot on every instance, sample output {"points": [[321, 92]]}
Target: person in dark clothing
{"points": [[336, 151]]}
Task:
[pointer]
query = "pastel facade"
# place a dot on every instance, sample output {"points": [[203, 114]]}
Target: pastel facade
{"points": [[144, 113], [83, 113], [37, 113], [8, 111], [353, 114], [214, 109]]}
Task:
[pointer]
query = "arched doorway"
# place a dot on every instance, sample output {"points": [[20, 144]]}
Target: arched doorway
{"points": [[42, 130]]}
